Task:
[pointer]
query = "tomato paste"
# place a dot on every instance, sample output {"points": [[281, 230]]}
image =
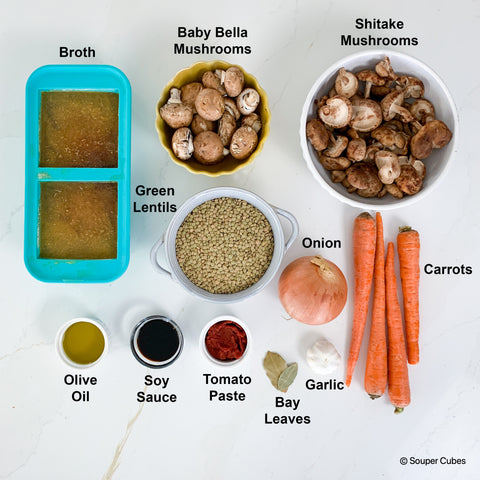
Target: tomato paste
{"points": [[226, 341]]}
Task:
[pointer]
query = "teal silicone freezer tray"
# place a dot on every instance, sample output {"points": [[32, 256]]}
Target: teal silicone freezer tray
{"points": [[97, 78]]}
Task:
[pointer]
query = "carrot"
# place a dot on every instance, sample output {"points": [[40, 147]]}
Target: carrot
{"points": [[408, 245], [398, 384], [363, 264], [376, 369]]}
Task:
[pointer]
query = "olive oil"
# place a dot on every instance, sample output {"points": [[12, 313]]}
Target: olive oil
{"points": [[83, 343]]}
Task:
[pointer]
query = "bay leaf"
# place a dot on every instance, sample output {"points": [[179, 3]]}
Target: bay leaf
{"points": [[274, 365], [287, 377]]}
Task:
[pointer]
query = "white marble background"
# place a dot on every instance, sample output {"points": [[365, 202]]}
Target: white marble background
{"points": [[45, 435]]}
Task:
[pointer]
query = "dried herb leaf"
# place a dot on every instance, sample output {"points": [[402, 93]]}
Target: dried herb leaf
{"points": [[287, 377], [274, 365]]}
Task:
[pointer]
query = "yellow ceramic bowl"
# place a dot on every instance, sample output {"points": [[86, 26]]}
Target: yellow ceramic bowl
{"points": [[229, 164]]}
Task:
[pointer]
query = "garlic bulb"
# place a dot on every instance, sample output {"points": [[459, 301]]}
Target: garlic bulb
{"points": [[322, 357]]}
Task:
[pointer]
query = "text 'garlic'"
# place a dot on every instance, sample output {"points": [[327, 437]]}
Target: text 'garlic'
{"points": [[322, 357]]}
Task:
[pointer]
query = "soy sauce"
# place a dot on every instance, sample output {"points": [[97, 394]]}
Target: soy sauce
{"points": [[156, 341]]}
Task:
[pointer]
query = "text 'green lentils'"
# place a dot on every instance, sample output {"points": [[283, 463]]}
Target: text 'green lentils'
{"points": [[224, 245]]}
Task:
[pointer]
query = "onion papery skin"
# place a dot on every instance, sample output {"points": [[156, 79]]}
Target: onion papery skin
{"points": [[313, 290]]}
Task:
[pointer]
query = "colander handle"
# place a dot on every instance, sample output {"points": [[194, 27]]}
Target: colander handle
{"points": [[154, 259], [293, 223]]}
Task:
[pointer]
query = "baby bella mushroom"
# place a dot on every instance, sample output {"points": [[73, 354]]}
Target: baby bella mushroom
{"points": [[233, 81], [210, 104], [208, 148], [175, 113], [248, 101], [244, 142], [182, 143]]}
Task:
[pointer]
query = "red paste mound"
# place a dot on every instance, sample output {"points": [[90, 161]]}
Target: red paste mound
{"points": [[226, 341]]}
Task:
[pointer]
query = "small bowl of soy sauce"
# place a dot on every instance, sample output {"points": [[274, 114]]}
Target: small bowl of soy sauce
{"points": [[156, 341]]}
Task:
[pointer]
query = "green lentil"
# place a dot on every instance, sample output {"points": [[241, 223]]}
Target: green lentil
{"points": [[224, 245]]}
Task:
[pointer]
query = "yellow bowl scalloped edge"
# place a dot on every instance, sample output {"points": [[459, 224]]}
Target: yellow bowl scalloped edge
{"points": [[229, 165]]}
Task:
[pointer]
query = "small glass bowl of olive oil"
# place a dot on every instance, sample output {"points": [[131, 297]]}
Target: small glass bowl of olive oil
{"points": [[82, 342]]}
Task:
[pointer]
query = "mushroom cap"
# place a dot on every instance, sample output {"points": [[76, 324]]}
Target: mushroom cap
{"points": [[226, 127], [176, 115], [392, 104], [389, 136], [357, 149], [385, 70], [189, 93], [233, 81], [367, 115], [253, 120], [182, 143], [248, 101], [199, 124], [364, 177], [336, 112], [213, 80], [244, 142], [336, 146], [371, 77], [231, 106], [317, 134], [388, 166], [409, 181], [210, 104], [334, 163], [346, 83], [207, 148], [412, 86], [434, 134], [422, 110]]}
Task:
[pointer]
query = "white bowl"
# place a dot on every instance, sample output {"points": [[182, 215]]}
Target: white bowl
{"points": [[435, 90], [272, 214], [205, 330], [59, 342]]}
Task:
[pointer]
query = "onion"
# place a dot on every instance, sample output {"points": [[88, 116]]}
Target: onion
{"points": [[312, 290]]}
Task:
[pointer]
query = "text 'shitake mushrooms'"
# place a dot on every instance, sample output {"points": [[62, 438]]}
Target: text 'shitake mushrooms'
{"points": [[182, 143], [244, 142], [248, 101], [210, 104], [336, 112], [208, 149], [175, 113]]}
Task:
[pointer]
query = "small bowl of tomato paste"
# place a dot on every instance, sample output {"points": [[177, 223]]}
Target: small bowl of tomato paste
{"points": [[225, 340]]}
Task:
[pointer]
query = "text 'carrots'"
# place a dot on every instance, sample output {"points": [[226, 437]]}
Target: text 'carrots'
{"points": [[363, 263], [408, 246], [376, 368], [398, 383]]}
